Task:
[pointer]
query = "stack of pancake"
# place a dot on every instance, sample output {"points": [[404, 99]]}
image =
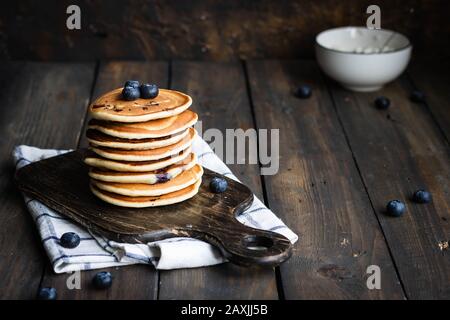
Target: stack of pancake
{"points": [[141, 150]]}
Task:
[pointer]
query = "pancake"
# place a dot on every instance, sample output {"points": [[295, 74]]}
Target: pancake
{"points": [[146, 130], [100, 139], [97, 161], [112, 107], [146, 155], [142, 202], [183, 180], [150, 177]]}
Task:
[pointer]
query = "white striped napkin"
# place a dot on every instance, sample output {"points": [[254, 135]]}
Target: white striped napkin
{"points": [[96, 251]]}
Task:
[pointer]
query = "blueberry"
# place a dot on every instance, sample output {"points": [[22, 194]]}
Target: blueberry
{"points": [[69, 240], [162, 177], [47, 294], [422, 196], [131, 83], [218, 185], [417, 96], [149, 91], [102, 280], [130, 93], [382, 103], [303, 92], [395, 208]]}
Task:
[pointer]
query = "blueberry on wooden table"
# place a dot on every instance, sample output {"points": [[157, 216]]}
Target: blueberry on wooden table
{"points": [[130, 93], [417, 96], [395, 208], [382, 103], [149, 91], [102, 280], [69, 240], [303, 92], [47, 293], [422, 196], [131, 83], [218, 185]]}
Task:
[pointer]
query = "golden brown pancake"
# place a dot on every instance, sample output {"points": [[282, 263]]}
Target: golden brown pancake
{"points": [[97, 161], [112, 107], [150, 177], [98, 138], [183, 180], [142, 202], [149, 129], [146, 155]]}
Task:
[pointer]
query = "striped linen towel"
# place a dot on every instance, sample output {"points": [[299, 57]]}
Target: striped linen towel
{"points": [[96, 251]]}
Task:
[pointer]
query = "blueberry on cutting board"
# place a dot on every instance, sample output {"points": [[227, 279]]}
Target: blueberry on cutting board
{"points": [[395, 208], [102, 280], [47, 293], [218, 185]]}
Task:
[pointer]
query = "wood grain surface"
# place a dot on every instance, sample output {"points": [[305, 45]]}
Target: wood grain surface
{"points": [[341, 161], [41, 105], [318, 191], [434, 80], [221, 100], [205, 29], [399, 151], [137, 281]]}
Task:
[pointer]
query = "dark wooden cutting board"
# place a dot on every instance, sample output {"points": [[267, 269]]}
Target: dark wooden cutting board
{"points": [[62, 183]]}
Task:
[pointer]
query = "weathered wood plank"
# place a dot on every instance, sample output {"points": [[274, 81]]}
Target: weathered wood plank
{"points": [[131, 282], [204, 29], [434, 81], [318, 191], [399, 151], [220, 98], [41, 105]]}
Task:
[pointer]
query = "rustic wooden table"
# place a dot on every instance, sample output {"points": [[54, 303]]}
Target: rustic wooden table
{"points": [[341, 161]]}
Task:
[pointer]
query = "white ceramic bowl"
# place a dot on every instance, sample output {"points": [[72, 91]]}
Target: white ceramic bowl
{"points": [[362, 59]]}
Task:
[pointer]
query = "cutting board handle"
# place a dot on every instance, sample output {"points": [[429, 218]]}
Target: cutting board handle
{"points": [[245, 246]]}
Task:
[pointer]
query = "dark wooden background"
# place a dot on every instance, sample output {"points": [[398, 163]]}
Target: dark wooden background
{"points": [[204, 29]]}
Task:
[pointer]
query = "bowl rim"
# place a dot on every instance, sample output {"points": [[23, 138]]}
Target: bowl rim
{"points": [[409, 45]]}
